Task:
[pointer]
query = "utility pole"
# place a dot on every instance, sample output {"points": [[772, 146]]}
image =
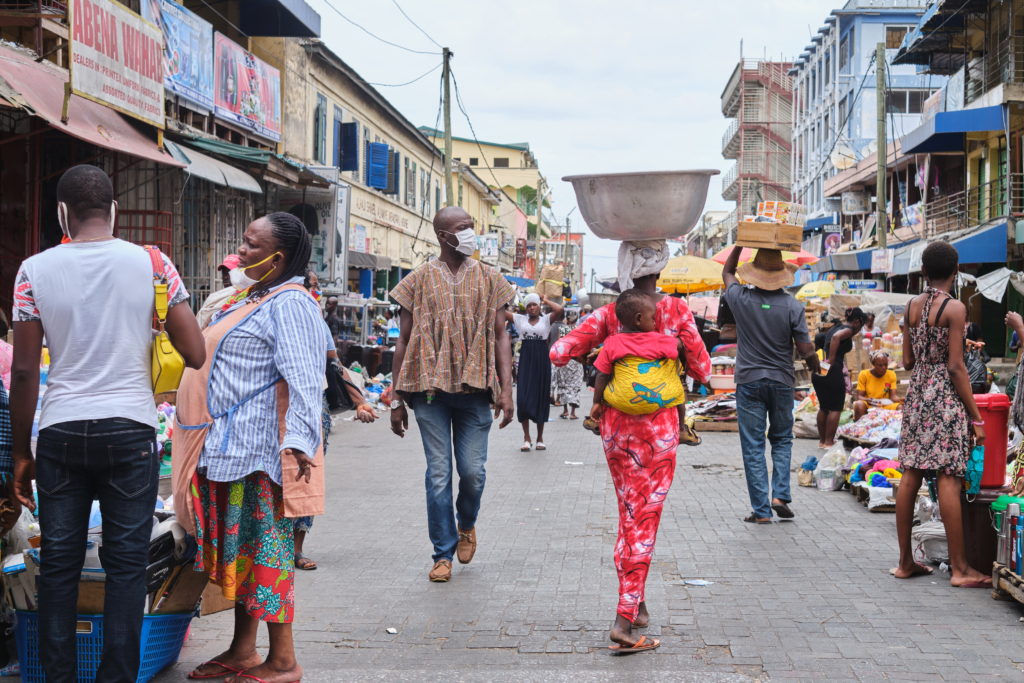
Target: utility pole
{"points": [[449, 191], [882, 223], [566, 268], [536, 239]]}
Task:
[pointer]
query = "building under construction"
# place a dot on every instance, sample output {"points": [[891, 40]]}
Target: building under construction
{"points": [[759, 101]]}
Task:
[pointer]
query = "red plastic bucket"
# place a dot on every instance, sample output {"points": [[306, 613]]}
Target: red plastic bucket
{"points": [[995, 411]]}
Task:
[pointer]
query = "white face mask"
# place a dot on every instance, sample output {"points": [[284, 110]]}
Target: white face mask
{"points": [[241, 281], [62, 217], [466, 241]]}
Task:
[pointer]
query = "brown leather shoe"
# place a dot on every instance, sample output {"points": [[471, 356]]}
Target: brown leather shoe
{"points": [[441, 572], [467, 545]]}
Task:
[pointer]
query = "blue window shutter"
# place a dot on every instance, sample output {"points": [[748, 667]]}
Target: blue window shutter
{"points": [[349, 146], [337, 143], [366, 163], [377, 157]]}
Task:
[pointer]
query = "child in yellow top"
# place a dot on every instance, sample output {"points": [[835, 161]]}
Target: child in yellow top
{"points": [[877, 387]]}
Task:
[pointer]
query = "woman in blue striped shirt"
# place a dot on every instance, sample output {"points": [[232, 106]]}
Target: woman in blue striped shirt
{"points": [[252, 457]]}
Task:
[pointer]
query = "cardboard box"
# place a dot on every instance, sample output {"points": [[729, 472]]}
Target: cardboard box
{"points": [[550, 283], [769, 236]]}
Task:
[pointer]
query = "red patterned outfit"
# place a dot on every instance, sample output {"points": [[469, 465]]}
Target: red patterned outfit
{"points": [[640, 449]]}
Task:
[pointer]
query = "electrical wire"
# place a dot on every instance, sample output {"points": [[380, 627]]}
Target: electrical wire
{"points": [[367, 32], [462, 108], [399, 85], [849, 113], [415, 24], [430, 173]]}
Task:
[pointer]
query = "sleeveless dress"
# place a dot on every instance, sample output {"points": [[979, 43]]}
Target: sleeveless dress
{"points": [[936, 430]]}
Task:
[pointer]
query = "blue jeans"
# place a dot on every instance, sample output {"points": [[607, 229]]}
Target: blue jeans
{"points": [[757, 402], [462, 420], [114, 461]]}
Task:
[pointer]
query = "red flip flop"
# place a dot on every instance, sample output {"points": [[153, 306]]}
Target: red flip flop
{"points": [[258, 680], [228, 671], [976, 584], [639, 647]]}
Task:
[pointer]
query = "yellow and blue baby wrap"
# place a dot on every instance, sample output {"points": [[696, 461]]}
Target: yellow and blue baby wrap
{"points": [[640, 386]]}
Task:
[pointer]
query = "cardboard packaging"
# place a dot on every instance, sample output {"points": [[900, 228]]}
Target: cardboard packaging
{"points": [[769, 236]]}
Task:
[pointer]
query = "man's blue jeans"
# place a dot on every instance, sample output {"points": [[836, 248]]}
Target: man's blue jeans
{"points": [[462, 421], [756, 403], [114, 461]]}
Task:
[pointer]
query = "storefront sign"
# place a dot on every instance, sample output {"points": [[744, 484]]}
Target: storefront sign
{"points": [[833, 204], [832, 242], [380, 211], [359, 240], [955, 91], [325, 214], [188, 50], [858, 285], [881, 260], [488, 244], [116, 59], [247, 90], [856, 202], [520, 254]]}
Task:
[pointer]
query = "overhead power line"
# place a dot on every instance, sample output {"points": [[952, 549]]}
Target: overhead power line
{"points": [[414, 23], [399, 85], [462, 108], [372, 35]]}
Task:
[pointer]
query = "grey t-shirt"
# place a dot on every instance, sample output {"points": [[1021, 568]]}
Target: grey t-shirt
{"points": [[767, 324]]}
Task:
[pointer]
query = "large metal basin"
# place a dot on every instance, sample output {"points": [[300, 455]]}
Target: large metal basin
{"points": [[642, 206]]}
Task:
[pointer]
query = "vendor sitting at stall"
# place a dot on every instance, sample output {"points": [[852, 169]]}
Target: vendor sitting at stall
{"points": [[876, 388]]}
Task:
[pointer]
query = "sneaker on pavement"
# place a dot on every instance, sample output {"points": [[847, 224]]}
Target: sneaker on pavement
{"points": [[441, 572], [467, 545]]}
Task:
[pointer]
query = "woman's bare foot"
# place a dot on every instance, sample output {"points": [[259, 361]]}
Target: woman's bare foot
{"points": [[228, 658], [266, 673], [970, 576], [914, 569], [828, 445], [821, 444], [643, 618], [621, 633]]}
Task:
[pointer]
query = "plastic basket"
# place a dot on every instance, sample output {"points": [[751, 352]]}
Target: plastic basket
{"points": [[162, 638]]}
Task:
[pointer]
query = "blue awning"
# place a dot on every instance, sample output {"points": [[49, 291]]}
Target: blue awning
{"points": [[945, 132], [520, 281], [852, 260], [985, 245], [818, 222]]}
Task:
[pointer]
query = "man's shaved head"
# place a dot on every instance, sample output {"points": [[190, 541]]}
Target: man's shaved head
{"points": [[447, 217]]}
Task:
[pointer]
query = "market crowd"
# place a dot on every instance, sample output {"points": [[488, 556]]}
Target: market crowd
{"points": [[260, 375]]}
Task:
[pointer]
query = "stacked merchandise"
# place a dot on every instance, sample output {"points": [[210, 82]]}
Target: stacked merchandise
{"points": [[717, 413], [876, 425]]}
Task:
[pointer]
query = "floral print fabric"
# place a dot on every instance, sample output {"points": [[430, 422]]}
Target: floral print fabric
{"points": [[641, 454], [246, 543], [935, 434]]}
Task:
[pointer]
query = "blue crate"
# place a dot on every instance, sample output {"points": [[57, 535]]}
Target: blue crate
{"points": [[162, 638]]}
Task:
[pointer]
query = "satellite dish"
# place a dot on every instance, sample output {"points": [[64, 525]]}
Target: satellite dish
{"points": [[843, 158], [869, 148]]}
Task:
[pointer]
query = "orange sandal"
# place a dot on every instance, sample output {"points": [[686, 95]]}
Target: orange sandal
{"points": [[639, 647]]}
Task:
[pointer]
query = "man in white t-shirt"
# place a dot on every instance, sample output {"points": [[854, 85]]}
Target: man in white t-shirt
{"points": [[93, 299]]}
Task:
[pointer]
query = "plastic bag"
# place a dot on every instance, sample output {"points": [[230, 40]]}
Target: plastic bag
{"points": [[977, 372], [18, 536], [975, 467], [929, 542], [829, 473]]}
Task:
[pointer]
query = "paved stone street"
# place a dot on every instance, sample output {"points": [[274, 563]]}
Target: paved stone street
{"points": [[805, 600]]}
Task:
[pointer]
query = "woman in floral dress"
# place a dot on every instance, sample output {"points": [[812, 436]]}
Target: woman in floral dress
{"points": [[568, 380], [940, 417]]}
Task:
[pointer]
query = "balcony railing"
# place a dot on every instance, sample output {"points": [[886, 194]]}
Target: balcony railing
{"points": [[730, 141], [729, 181], [974, 206], [1001, 64]]}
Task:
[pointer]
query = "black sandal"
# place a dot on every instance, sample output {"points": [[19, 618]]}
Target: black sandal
{"points": [[302, 562], [752, 518]]}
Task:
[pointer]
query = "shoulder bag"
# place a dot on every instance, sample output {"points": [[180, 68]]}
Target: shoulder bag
{"points": [[168, 365]]}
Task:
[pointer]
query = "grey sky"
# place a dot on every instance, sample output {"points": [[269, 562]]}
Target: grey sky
{"points": [[593, 85]]}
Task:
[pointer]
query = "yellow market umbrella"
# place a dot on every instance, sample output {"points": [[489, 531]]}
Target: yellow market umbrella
{"points": [[689, 275], [822, 289]]}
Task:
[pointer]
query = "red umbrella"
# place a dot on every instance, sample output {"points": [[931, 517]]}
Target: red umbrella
{"points": [[802, 257]]}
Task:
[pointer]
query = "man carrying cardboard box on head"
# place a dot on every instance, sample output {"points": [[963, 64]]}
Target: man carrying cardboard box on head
{"points": [[768, 322]]}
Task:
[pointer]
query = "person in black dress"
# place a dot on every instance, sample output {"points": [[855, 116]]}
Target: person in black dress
{"points": [[831, 387], [533, 392]]}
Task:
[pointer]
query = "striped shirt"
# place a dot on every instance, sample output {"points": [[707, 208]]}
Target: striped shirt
{"points": [[452, 347], [284, 338]]}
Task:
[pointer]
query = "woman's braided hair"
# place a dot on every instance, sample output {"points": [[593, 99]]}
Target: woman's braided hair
{"points": [[294, 243]]}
